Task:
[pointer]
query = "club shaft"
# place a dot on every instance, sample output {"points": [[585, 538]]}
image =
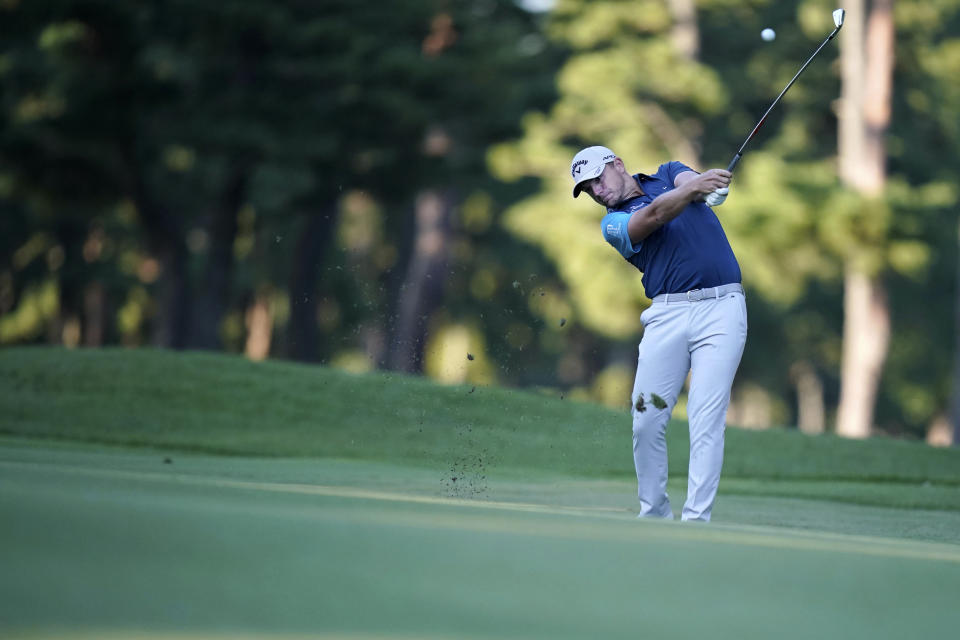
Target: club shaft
{"points": [[739, 154]]}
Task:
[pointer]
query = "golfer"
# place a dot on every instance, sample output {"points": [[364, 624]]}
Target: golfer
{"points": [[697, 323]]}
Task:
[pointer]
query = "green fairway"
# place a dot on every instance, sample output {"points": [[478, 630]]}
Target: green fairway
{"points": [[121, 541], [164, 495]]}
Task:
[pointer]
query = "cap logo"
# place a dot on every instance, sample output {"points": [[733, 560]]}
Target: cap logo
{"points": [[577, 166]]}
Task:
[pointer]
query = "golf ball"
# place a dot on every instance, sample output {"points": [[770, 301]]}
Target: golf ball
{"points": [[768, 34]]}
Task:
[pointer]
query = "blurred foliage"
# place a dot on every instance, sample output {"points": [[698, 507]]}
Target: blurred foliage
{"points": [[788, 219], [168, 168]]}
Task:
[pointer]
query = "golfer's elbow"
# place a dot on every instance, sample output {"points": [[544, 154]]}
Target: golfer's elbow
{"points": [[644, 222]]}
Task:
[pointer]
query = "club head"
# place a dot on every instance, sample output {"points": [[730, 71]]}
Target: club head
{"points": [[838, 17]]}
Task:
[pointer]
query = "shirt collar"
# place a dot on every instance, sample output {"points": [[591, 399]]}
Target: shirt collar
{"points": [[639, 178]]}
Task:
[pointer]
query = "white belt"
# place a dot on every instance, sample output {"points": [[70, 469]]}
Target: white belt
{"points": [[700, 294]]}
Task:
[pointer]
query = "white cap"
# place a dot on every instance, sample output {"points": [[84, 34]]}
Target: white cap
{"points": [[588, 164]]}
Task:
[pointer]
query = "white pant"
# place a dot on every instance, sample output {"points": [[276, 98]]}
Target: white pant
{"points": [[706, 339]]}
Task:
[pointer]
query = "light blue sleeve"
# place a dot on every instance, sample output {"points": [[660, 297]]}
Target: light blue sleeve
{"points": [[614, 227]]}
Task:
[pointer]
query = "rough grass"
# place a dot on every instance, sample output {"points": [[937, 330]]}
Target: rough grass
{"points": [[224, 404]]}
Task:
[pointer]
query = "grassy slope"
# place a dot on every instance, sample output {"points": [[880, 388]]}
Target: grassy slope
{"points": [[101, 542], [224, 404]]}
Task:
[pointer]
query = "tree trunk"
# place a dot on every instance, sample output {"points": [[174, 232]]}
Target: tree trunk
{"points": [[422, 289], [867, 68], [955, 410], [165, 240], [222, 230], [811, 414], [866, 337], [71, 274], [173, 316], [259, 322], [314, 238], [94, 315], [685, 35], [685, 38]]}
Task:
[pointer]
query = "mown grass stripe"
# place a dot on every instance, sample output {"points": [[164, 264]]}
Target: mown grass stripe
{"points": [[741, 535]]}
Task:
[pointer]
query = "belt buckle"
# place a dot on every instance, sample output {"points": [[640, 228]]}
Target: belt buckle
{"points": [[695, 295]]}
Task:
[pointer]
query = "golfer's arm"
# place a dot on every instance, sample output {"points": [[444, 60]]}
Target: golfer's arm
{"points": [[663, 209], [686, 176]]}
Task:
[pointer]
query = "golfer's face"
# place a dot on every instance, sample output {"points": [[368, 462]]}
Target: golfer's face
{"points": [[607, 188]]}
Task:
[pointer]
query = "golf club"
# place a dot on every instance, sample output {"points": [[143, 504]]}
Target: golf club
{"points": [[838, 17]]}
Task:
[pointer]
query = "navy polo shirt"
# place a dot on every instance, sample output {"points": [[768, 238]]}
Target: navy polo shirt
{"points": [[689, 252]]}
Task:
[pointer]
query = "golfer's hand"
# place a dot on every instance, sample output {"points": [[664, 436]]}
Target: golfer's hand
{"points": [[714, 185], [716, 198]]}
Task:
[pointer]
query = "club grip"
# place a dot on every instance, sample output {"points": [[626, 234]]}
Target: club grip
{"points": [[734, 162]]}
